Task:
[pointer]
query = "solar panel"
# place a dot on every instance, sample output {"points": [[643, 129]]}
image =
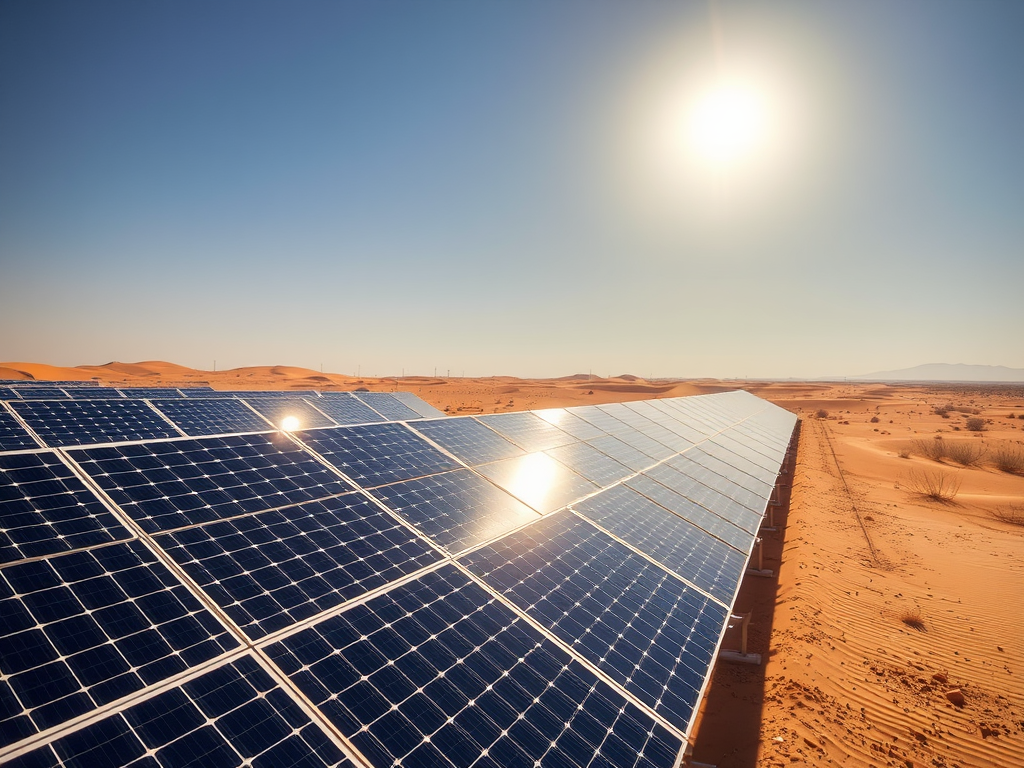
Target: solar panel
{"points": [[233, 715], [146, 393], [643, 627], [715, 447], [729, 471], [585, 460], [437, 672], [599, 419], [623, 453], [8, 393], [747, 518], [42, 393], [683, 548], [421, 407], [345, 409], [272, 569], [538, 480], [277, 409], [468, 440], [46, 509], [726, 530], [711, 479], [85, 628], [173, 484], [569, 422], [218, 416], [645, 444], [376, 454], [72, 422], [13, 436], [93, 393], [527, 430], [388, 406], [456, 509]]}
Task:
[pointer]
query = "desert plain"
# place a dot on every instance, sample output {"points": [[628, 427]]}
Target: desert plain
{"points": [[891, 626]]}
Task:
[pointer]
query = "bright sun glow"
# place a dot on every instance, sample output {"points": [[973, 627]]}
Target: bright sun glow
{"points": [[289, 423], [726, 124]]}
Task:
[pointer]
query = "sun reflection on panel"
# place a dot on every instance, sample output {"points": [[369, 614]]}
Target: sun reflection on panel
{"points": [[289, 423]]}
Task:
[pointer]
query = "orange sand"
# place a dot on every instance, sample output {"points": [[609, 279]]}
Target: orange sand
{"points": [[883, 600]]}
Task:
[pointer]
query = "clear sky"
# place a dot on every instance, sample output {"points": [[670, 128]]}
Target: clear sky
{"points": [[509, 187]]}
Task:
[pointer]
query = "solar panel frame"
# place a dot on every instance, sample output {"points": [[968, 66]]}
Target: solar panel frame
{"points": [[13, 434], [216, 416], [418, 404], [346, 409], [388, 406], [468, 440], [68, 423]]}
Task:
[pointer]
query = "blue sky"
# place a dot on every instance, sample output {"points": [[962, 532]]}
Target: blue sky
{"points": [[472, 186]]}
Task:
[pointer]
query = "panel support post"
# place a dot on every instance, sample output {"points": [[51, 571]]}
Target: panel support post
{"points": [[760, 570]]}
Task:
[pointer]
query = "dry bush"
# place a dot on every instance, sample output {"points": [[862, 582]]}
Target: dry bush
{"points": [[1009, 458], [966, 453], [943, 410], [904, 453], [912, 618], [821, 414], [931, 449], [1011, 513], [975, 424], [874, 419], [937, 486]]}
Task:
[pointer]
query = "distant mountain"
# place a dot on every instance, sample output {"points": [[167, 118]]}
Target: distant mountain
{"points": [[947, 372]]}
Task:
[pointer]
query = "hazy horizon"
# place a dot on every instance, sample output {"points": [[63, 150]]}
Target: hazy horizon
{"points": [[489, 189]]}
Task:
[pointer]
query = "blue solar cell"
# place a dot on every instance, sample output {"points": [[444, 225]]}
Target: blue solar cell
{"points": [[527, 430], [586, 460], [455, 509], [538, 480], [73, 422], [231, 716], [697, 556], [45, 509], [346, 409], [723, 506], [436, 672], [146, 393], [277, 409], [84, 628], [468, 440], [375, 454], [172, 484], [421, 407], [13, 436], [220, 416], [42, 393], [726, 530], [642, 626], [93, 393], [388, 406], [272, 569], [8, 393]]}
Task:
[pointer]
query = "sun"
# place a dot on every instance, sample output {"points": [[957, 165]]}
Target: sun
{"points": [[726, 124]]}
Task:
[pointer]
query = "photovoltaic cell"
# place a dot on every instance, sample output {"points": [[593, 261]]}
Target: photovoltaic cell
{"points": [[639, 624], [277, 409], [645, 444], [468, 440], [678, 504], [599, 418], [8, 393], [538, 480], [680, 546], [437, 672], [729, 471], [456, 509], [13, 436], [166, 485], [217, 416], [42, 393], [345, 409], [622, 453], [711, 479], [234, 715], [527, 430], [91, 422], [146, 393], [388, 406], [93, 393], [272, 569], [715, 448], [709, 498], [586, 460], [567, 421], [376, 454], [45, 509], [85, 628]]}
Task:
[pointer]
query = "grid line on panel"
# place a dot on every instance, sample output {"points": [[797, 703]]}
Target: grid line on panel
{"points": [[277, 410], [198, 418], [638, 623], [91, 422], [347, 410], [387, 406], [527, 430], [85, 628], [467, 440], [15, 435], [440, 672], [707, 497], [232, 715]]}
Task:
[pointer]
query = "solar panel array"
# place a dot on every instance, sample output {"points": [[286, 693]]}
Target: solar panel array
{"points": [[183, 582]]}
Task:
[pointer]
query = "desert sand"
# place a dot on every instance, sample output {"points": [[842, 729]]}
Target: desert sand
{"points": [[891, 628]]}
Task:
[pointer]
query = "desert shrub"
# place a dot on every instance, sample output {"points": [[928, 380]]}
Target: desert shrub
{"points": [[966, 453], [821, 414], [937, 486], [943, 410], [875, 419], [931, 449], [912, 618], [1011, 513], [1009, 458], [975, 424], [904, 453]]}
